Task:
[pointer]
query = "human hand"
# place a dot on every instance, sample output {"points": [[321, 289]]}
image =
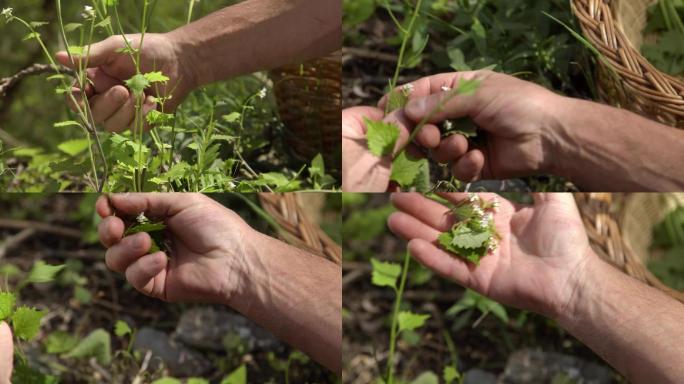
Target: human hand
{"points": [[518, 117], [361, 170], [112, 104], [539, 264], [6, 353], [210, 246]]}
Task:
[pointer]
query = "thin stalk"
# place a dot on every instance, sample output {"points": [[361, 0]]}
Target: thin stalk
{"points": [[190, 9], [395, 318], [402, 50]]}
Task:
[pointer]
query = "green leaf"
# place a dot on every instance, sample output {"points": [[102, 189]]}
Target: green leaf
{"points": [[42, 272], [106, 22], [74, 147], [468, 87], [122, 329], [465, 237], [138, 84], [38, 24], [385, 274], [60, 342], [32, 35], [26, 322], [66, 124], [156, 77], [317, 167], [238, 376], [7, 300], [76, 50], [197, 380], [97, 344], [426, 378], [408, 321], [232, 117], [382, 137], [406, 170], [155, 117], [145, 227], [397, 99], [72, 27], [450, 374]]}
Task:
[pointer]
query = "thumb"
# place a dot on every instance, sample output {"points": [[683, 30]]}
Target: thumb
{"points": [[6, 353], [94, 55], [441, 106], [155, 204]]}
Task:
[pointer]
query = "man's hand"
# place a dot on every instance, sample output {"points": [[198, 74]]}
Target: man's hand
{"points": [[209, 246], [361, 170], [516, 116], [6, 353], [112, 104], [541, 256]]}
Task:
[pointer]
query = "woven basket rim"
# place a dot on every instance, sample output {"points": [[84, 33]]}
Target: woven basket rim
{"points": [[658, 94]]}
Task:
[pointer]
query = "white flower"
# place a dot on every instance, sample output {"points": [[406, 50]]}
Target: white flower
{"points": [[407, 88], [7, 12], [493, 245], [448, 125], [88, 12], [141, 218], [495, 204], [262, 93], [478, 211], [446, 88], [472, 197]]}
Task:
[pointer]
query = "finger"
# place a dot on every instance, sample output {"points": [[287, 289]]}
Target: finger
{"points": [[435, 84], [124, 253], [110, 230], [148, 106], [450, 149], [97, 54], [429, 136], [469, 167], [443, 263], [123, 117], [560, 202], [103, 106], [102, 207], [354, 120], [6, 353], [146, 274], [408, 227], [100, 81], [426, 210], [160, 205]]}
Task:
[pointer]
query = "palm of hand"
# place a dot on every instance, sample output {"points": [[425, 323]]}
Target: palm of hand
{"points": [[207, 241], [541, 249]]}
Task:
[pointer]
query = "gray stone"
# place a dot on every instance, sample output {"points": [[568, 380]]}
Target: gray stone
{"points": [[178, 359], [529, 366], [220, 330], [478, 376]]}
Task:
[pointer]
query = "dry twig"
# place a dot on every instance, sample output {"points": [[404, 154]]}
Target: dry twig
{"points": [[10, 82]]}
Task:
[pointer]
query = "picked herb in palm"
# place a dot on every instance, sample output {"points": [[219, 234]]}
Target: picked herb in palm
{"points": [[474, 235]]}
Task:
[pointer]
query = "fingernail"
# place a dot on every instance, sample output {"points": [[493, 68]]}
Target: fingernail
{"points": [[416, 105]]}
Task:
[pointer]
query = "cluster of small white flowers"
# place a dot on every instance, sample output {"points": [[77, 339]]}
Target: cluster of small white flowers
{"points": [[407, 88], [446, 88], [493, 245], [473, 198], [88, 12], [7, 12], [262, 93], [141, 218], [448, 125]]}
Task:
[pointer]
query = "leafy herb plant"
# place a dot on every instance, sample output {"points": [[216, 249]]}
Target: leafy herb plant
{"points": [[474, 235], [213, 142]]}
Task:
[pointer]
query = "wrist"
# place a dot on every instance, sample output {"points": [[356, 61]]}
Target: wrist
{"points": [[583, 291], [185, 52], [247, 271], [559, 140]]}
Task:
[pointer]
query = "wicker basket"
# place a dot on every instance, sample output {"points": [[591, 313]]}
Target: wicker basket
{"points": [[626, 78], [309, 101], [616, 225], [297, 214]]}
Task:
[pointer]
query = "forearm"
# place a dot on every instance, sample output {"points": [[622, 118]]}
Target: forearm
{"points": [[634, 327], [623, 151], [295, 295], [259, 35]]}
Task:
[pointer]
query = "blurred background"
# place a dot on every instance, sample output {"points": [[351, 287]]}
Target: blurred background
{"points": [[481, 340], [79, 339]]}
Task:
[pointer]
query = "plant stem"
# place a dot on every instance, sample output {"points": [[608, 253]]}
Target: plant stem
{"points": [[395, 318], [402, 50]]}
